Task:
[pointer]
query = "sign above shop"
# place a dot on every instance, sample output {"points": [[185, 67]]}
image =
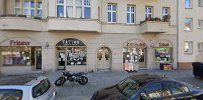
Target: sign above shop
{"points": [[70, 42], [136, 43], [163, 43], [19, 43]]}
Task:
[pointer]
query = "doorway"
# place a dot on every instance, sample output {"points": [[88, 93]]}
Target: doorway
{"points": [[134, 58], [61, 60], [104, 59], [38, 57]]}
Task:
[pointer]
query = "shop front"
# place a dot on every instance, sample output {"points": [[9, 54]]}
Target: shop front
{"points": [[134, 55], [164, 55], [20, 54], [71, 54]]}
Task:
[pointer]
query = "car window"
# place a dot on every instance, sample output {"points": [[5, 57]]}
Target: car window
{"points": [[152, 91], [41, 88], [173, 88], [11, 94], [128, 87]]}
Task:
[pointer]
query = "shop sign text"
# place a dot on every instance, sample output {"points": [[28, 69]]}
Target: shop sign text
{"points": [[18, 42], [136, 45], [163, 44]]}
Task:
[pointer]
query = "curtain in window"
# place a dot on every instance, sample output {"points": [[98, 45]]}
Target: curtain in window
{"points": [[60, 11], [78, 12], [69, 11]]}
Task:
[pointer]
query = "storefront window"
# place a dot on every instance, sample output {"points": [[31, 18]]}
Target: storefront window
{"points": [[76, 56], [163, 55], [16, 55]]}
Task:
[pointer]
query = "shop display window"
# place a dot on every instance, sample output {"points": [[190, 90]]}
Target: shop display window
{"points": [[16, 55], [163, 55], [76, 55]]}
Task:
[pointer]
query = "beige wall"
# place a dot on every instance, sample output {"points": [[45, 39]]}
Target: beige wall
{"points": [[195, 35]]}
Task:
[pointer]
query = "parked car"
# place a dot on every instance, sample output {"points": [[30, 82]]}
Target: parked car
{"points": [[26, 88], [197, 69], [149, 87]]}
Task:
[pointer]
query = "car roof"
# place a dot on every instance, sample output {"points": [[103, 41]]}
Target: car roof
{"points": [[20, 80], [147, 78]]}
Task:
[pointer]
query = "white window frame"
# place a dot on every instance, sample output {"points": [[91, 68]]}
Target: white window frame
{"points": [[200, 23], [200, 3], [131, 13], [200, 46], [165, 11], [190, 26], [190, 4], [29, 8], [74, 6], [111, 11], [188, 49], [147, 12]]}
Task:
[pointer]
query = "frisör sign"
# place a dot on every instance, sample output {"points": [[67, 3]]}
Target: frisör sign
{"points": [[19, 43]]}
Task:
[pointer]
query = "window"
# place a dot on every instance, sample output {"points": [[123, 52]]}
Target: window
{"points": [[30, 8], [41, 88], [76, 55], [12, 55], [74, 8], [200, 3], [152, 91], [11, 94], [188, 47], [200, 46], [112, 17], [172, 88], [188, 4], [200, 23], [165, 11], [188, 24], [130, 14], [149, 11]]}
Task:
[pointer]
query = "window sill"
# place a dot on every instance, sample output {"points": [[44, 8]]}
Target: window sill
{"points": [[188, 53]]}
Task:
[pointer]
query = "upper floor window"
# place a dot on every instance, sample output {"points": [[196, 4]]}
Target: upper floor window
{"points": [[130, 14], [188, 47], [188, 4], [112, 17], [30, 8], [165, 11], [188, 24], [200, 46], [200, 23], [200, 3], [149, 12], [74, 8]]}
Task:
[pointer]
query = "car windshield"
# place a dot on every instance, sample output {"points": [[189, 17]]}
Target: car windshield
{"points": [[128, 87]]}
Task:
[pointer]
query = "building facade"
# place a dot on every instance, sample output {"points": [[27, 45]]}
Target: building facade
{"points": [[190, 31], [87, 35]]}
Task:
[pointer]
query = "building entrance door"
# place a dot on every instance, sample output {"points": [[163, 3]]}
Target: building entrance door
{"points": [[134, 58], [38, 56], [61, 60], [104, 59]]}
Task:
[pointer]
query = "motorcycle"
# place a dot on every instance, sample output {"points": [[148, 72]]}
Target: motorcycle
{"points": [[75, 77]]}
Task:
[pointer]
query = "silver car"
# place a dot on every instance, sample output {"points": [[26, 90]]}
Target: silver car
{"points": [[27, 88]]}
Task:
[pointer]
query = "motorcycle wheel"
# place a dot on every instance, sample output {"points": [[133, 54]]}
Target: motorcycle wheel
{"points": [[60, 81], [83, 80]]}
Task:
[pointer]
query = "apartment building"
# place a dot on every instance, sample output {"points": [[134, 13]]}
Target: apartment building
{"points": [[87, 35], [190, 29]]}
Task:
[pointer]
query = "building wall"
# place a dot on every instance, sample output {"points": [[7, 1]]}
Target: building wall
{"points": [[95, 32], [195, 35]]}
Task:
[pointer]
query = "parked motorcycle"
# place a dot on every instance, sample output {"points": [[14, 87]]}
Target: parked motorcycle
{"points": [[75, 77]]}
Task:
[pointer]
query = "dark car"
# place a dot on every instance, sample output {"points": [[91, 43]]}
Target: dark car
{"points": [[145, 87], [198, 69]]}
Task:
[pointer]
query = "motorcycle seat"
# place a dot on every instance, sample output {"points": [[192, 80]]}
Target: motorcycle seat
{"points": [[78, 74]]}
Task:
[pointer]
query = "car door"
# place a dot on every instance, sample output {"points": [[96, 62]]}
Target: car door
{"points": [[151, 91]]}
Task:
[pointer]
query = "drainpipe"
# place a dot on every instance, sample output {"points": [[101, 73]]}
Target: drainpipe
{"points": [[177, 34], [5, 7]]}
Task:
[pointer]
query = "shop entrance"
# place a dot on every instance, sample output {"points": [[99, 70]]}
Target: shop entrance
{"points": [[61, 60], [104, 59], [134, 55], [70, 52], [134, 58], [38, 57]]}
